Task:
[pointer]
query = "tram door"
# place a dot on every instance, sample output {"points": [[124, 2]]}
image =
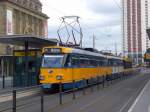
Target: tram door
{"points": [[31, 77]]}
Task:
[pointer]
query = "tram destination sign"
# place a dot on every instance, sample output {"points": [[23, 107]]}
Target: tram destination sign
{"points": [[52, 50]]}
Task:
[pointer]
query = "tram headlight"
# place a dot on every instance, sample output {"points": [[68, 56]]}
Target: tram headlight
{"points": [[41, 77], [59, 77]]}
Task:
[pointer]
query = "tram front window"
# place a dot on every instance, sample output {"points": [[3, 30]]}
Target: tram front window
{"points": [[52, 61]]}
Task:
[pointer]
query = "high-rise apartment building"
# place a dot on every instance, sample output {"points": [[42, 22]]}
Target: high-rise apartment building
{"points": [[135, 21]]}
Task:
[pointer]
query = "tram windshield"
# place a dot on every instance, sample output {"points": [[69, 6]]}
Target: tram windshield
{"points": [[52, 61]]}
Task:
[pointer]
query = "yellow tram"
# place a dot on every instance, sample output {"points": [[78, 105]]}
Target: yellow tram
{"points": [[66, 64]]}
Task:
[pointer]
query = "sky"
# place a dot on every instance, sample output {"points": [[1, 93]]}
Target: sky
{"points": [[101, 18]]}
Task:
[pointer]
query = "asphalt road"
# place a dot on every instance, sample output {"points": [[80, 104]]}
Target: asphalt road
{"points": [[142, 102], [117, 97]]}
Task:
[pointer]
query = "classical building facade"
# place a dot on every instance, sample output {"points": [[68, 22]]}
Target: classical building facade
{"points": [[135, 21], [21, 17]]}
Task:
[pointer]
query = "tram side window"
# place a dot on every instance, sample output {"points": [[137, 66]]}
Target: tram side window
{"points": [[84, 63], [97, 63], [101, 63], [75, 62], [93, 63], [110, 62], [117, 62], [105, 63], [121, 63]]}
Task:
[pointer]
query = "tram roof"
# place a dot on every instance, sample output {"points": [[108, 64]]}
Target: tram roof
{"points": [[33, 41]]}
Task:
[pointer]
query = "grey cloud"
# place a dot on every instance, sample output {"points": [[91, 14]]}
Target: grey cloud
{"points": [[103, 6], [107, 31]]}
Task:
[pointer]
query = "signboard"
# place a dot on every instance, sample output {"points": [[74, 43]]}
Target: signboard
{"points": [[45, 27], [52, 50], [147, 56], [30, 53], [9, 23]]}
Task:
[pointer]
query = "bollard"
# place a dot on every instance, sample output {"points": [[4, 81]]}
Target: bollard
{"points": [[103, 81], [107, 80], [123, 76], [84, 87], [120, 76], [97, 82], [3, 81], [2, 73], [111, 80], [14, 100], [91, 84], [73, 93], [60, 93], [117, 77], [42, 102]]}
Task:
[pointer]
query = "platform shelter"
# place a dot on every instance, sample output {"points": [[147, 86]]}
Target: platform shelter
{"points": [[24, 63]]}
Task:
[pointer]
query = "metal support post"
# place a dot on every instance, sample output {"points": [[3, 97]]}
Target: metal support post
{"points": [[97, 82], [3, 81], [107, 79], [3, 76], [60, 93], [111, 79], [26, 62], [103, 81], [91, 84], [13, 70], [74, 96], [120, 76], [84, 87], [123, 76], [42, 102], [14, 100]]}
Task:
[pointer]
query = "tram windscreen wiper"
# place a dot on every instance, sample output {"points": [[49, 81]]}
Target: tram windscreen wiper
{"points": [[52, 61]]}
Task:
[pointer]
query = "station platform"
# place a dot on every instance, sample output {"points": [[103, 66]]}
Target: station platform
{"points": [[8, 84]]}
